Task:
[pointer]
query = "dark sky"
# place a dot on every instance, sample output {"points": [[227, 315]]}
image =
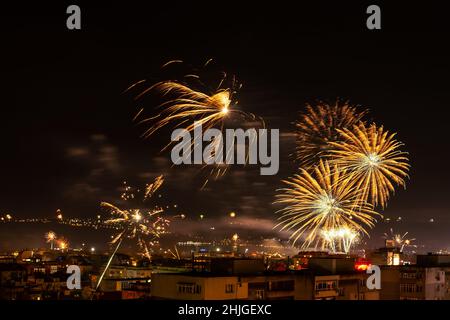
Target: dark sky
{"points": [[67, 134]]}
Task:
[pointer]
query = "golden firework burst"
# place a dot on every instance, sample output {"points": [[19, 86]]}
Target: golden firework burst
{"points": [[322, 200], [190, 104], [372, 158], [50, 237], [62, 243], [318, 126], [400, 240], [141, 225]]}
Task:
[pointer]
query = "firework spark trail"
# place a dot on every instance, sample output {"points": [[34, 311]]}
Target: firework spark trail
{"points": [[371, 157], [176, 255], [152, 187], [322, 201], [319, 125], [107, 265]]}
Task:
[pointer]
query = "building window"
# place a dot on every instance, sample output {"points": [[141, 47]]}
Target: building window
{"points": [[287, 285], [229, 288], [408, 288], [259, 295], [409, 275], [326, 285], [342, 291], [39, 270], [190, 288]]}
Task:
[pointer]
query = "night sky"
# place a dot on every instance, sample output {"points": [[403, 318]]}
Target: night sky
{"points": [[68, 139]]}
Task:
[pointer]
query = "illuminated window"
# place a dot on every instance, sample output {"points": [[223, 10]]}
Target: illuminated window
{"points": [[326, 285], [229, 288], [396, 260]]}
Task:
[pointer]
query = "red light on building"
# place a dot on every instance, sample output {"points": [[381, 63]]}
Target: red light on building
{"points": [[362, 265]]}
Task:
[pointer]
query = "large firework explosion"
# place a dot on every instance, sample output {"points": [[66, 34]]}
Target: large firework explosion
{"points": [[322, 200], [319, 125], [364, 160], [373, 160]]}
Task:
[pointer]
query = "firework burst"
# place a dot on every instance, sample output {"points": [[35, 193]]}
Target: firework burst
{"points": [[192, 105], [192, 102], [340, 239], [145, 226], [400, 240], [371, 157], [50, 237], [142, 225], [318, 126], [62, 243], [134, 223], [208, 110], [320, 201]]}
